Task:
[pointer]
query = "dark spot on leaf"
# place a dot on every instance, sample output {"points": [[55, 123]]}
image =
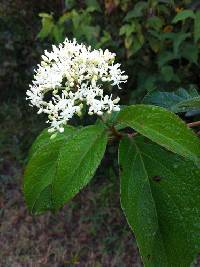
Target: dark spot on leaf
{"points": [[156, 178], [148, 257]]}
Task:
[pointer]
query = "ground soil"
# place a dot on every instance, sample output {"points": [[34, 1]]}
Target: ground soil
{"points": [[89, 231]]}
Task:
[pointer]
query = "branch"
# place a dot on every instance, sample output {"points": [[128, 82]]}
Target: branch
{"points": [[193, 124], [115, 133]]}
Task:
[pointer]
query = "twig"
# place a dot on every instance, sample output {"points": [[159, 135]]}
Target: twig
{"points": [[115, 132], [193, 124]]}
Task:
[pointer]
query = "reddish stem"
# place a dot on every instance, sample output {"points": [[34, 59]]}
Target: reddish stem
{"points": [[117, 134], [193, 124]]}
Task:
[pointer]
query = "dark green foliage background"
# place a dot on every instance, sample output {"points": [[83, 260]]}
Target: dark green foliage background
{"points": [[157, 52], [157, 42]]}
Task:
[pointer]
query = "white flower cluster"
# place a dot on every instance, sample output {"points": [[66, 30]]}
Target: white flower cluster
{"points": [[70, 75]]}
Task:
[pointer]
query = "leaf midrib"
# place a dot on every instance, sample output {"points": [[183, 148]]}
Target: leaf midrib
{"points": [[78, 165], [65, 138], [175, 203], [164, 137], [150, 191]]}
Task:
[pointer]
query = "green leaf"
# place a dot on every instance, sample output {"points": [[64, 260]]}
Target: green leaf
{"points": [[41, 169], [78, 162], [147, 81], [138, 205], [93, 5], [191, 104], [69, 4], [137, 11], [104, 41], [60, 168], [165, 57], [42, 139], [155, 23], [160, 196], [154, 44], [64, 18], [134, 44], [190, 52], [90, 32], [110, 119], [179, 38], [162, 127], [57, 33], [197, 27], [45, 15], [168, 73], [178, 101], [127, 29], [183, 15], [47, 25], [45, 138]]}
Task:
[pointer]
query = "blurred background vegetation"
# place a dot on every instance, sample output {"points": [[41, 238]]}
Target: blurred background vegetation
{"points": [[157, 43]]}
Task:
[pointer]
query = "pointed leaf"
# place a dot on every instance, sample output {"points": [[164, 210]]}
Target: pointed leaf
{"points": [[138, 205], [162, 127], [93, 5], [190, 52], [45, 138], [78, 162], [137, 11], [160, 196], [183, 15], [178, 101], [41, 169], [59, 168], [179, 38], [47, 25]]}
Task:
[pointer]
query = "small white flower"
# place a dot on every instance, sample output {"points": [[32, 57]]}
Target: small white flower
{"points": [[69, 75]]}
